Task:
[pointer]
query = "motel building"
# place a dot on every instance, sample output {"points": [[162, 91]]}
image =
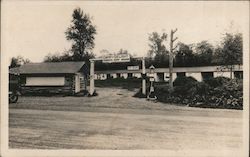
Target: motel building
{"points": [[162, 74], [70, 77], [52, 78]]}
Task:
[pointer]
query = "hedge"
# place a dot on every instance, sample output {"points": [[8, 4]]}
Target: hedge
{"points": [[219, 92]]}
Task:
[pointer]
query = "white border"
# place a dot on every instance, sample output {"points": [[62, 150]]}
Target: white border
{"points": [[37, 152]]}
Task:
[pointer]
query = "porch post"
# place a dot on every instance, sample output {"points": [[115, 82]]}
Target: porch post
{"points": [[92, 79], [143, 77]]}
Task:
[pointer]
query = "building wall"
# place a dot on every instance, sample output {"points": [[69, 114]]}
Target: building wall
{"points": [[96, 77], [101, 76], [124, 75], [48, 85], [166, 76], [83, 82], [137, 75], [195, 72], [174, 76], [225, 74], [114, 75], [197, 76]]}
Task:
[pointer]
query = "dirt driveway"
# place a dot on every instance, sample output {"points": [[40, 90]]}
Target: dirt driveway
{"points": [[116, 120]]}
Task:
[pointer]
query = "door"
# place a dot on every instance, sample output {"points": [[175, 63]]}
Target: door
{"points": [[77, 83]]}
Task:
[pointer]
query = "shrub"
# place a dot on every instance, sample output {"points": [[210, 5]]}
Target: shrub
{"points": [[199, 88], [183, 81], [228, 95], [217, 81], [219, 92]]}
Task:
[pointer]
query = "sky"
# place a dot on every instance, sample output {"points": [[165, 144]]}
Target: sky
{"points": [[33, 29]]}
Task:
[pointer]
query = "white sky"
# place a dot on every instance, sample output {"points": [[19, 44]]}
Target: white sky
{"points": [[35, 28]]}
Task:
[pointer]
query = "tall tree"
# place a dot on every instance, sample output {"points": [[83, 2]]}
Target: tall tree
{"points": [[230, 52], [158, 52], [82, 33], [156, 44]]}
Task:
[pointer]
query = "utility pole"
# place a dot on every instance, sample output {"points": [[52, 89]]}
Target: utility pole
{"points": [[171, 56], [143, 77]]}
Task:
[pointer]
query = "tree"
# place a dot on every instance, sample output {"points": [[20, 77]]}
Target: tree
{"points": [[204, 52], [104, 53], [158, 53], [230, 52], [156, 44], [82, 33], [18, 61], [184, 56], [57, 57]]}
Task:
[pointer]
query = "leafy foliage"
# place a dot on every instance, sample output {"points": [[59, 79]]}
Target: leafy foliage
{"points": [[204, 52], [157, 48], [216, 82], [217, 92], [82, 33], [230, 52], [18, 61], [185, 56], [66, 56], [181, 81], [231, 49]]}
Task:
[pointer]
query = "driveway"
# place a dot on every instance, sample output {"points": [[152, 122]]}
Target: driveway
{"points": [[116, 120]]}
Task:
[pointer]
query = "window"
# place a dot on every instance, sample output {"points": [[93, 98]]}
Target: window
{"points": [[181, 74], [108, 76], [118, 75], [130, 75], [238, 74], [68, 80], [207, 75], [160, 76], [45, 81], [81, 78]]}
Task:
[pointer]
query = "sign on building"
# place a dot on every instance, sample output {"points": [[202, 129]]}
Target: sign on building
{"points": [[133, 67], [116, 58]]}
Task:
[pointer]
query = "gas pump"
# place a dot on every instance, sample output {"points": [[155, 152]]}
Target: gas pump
{"points": [[151, 95]]}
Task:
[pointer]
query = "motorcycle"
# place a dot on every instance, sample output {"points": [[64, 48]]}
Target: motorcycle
{"points": [[13, 96], [14, 88]]}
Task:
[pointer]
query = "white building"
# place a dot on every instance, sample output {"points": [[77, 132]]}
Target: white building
{"points": [[162, 74]]}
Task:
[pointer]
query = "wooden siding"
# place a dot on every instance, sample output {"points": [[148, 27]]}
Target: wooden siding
{"points": [[66, 89], [43, 90]]}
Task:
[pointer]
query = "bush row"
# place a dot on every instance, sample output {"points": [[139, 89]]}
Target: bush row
{"points": [[219, 92]]}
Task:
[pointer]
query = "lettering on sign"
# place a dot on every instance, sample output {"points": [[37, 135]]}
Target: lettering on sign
{"points": [[116, 58], [133, 67]]}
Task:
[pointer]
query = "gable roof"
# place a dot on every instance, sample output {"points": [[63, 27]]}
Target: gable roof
{"points": [[50, 68]]}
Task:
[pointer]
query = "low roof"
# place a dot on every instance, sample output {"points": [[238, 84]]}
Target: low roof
{"points": [[178, 69], [49, 68]]}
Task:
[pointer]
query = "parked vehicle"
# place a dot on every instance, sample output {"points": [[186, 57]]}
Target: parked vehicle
{"points": [[14, 88]]}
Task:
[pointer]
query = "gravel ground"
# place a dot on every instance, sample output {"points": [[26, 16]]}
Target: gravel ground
{"points": [[116, 120]]}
